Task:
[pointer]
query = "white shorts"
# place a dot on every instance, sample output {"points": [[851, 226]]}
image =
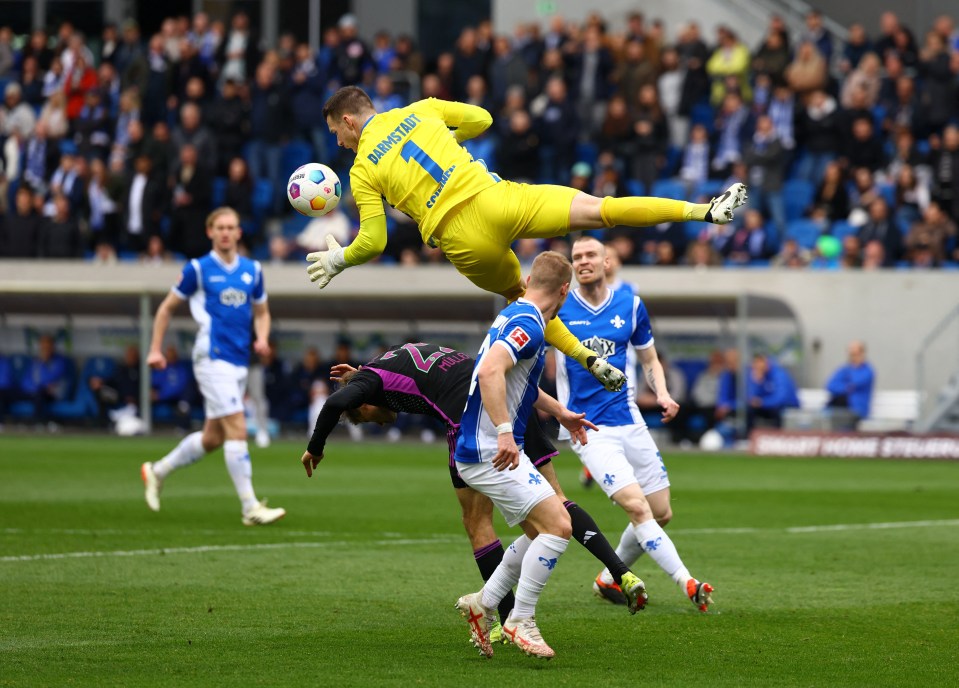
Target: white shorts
{"points": [[514, 492], [222, 385], [620, 455]]}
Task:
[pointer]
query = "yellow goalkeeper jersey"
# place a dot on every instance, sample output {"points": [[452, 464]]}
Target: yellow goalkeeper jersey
{"points": [[412, 157]]}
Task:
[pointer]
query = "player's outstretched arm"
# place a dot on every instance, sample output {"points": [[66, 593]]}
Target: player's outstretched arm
{"points": [[575, 423], [654, 374], [352, 396], [161, 321]]}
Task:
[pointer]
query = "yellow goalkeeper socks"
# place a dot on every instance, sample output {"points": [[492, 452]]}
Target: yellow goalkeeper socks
{"points": [[559, 336], [643, 211]]}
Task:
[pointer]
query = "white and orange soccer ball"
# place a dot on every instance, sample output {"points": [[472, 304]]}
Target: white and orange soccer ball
{"points": [[314, 189]]}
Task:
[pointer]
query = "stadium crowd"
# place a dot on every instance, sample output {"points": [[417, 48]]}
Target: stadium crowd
{"points": [[119, 144]]}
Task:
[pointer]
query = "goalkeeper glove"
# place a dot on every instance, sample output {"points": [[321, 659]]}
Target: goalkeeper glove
{"points": [[326, 264], [609, 375]]}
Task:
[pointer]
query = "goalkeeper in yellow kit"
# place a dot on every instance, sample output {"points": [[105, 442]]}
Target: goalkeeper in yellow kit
{"points": [[412, 157]]}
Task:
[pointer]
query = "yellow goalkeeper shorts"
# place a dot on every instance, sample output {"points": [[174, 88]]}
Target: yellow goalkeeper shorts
{"points": [[476, 237]]}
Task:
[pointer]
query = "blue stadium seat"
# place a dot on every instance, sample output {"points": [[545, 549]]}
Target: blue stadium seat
{"points": [[674, 158], [669, 188], [294, 224], [842, 229], [704, 191], [587, 152], [219, 191], [888, 192], [19, 364], [295, 153], [805, 232], [262, 197], [635, 187], [82, 404], [798, 195], [691, 369], [703, 113]]}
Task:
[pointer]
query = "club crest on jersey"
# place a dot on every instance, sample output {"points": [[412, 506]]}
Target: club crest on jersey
{"points": [[233, 297], [617, 322], [604, 347], [248, 278], [518, 338]]}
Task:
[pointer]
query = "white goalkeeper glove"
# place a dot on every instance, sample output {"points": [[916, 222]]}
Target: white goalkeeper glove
{"points": [[325, 265], [609, 375]]}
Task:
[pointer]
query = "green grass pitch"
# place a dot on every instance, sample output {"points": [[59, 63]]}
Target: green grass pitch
{"points": [[356, 586]]}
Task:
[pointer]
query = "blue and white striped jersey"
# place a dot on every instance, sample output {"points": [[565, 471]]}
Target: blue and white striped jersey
{"points": [[520, 329], [612, 330], [221, 301]]}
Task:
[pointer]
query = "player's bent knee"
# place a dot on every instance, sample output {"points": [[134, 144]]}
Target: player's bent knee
{"points": [[664, 517]]}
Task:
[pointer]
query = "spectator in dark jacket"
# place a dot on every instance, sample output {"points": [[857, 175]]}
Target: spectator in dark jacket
{"points": [[517, 154], [269, 125], [239, 196], [767, 159], [192, 132], [864, 149], [307, 95], [880, 227], [20, 229], [819, 132], [352, 56], [557, 125], [143, 202], [192, 192], [60, 234], [232, 117]]}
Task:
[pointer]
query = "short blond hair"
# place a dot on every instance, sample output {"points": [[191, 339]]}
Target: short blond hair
{"points": [[222, 210], [550, 271]]}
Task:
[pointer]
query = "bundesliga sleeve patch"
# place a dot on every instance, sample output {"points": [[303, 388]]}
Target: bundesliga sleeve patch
{"points": [[518, 338]]}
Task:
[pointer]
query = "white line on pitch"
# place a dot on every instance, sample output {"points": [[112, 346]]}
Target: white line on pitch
{"points": [[213, 548], [838, 527]]}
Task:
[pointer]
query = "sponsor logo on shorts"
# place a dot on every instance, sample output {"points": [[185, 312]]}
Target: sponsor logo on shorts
{"points": [[609, 479], [518, 338], [534, 479]]}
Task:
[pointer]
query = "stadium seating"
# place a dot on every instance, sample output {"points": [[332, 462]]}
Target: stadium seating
{"points": [[219, 191], [669, 188], [706, 190], [798, 195], [842, 229], [805, 232], [262, 198], [82, 403], [295, 154]]}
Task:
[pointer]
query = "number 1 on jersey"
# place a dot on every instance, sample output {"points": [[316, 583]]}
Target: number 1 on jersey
{"points": [[411, 150]]}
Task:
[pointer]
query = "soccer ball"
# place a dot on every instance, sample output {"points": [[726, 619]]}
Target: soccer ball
{"points": [[314, 189]]}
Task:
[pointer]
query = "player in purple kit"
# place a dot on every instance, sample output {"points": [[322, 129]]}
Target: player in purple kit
{"points": [[434, 381]]}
